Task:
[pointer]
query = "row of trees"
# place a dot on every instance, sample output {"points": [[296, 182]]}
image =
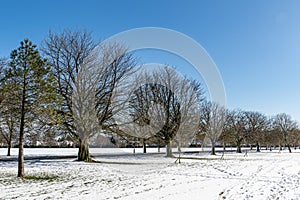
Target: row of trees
{"points": [[73, 89], [237, 128]]}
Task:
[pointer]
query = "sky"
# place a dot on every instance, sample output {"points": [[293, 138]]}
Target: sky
{"points": [[255, 44]]}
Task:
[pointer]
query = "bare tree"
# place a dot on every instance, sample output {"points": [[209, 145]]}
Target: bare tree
{"points": [[65, 52], [181, 98], [256, 126], [294, 138], [212, 120], [83, 104], [285, 125], [161, 94], [68, 52], [235, 122], [146, 115], [190, 96], [272, 137], [164, 108]]}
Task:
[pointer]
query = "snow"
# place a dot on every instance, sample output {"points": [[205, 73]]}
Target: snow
{"points": [[265, 175]]}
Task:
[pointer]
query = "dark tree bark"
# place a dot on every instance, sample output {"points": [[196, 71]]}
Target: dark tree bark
{"points": [[84, 153], [213, 150], [286, 143], [21, 154], [239, 149], [8, 140], [257, 147], [289, 147], [21, 139], [144, 147], [9, 147], [158, 148]]}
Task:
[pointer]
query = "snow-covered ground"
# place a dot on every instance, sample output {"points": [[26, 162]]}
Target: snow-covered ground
{"points": [[265, 175]]}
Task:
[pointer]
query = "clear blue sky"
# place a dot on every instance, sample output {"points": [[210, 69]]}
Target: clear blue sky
{"points": [[255, 44]]}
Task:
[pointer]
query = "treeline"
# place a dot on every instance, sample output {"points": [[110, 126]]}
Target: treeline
{"points": [[250, 128], [71, 90]]}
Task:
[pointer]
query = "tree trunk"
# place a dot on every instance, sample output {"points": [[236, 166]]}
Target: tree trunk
{"points": [[213, 150], [257, 147], [21, 151], [169, 150], [286, 143], [158, 148], [84, 152], [9, 147], [224, 147], [289, 147], [239, 149], [179, 147], [238, 144], [144, 147], [21, 139]]}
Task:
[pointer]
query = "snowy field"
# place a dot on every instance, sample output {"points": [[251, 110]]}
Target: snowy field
{"points": [[265, 175]]}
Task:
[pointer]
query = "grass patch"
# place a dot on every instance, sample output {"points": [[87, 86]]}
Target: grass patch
{"points": [[49, 178], [198, 158], [9, 179]]}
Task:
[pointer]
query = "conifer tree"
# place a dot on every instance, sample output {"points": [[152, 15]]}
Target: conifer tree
{"points": [[29, 76]]}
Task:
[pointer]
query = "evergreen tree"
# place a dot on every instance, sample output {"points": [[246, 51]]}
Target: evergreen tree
{"points": [[29, 76]]}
